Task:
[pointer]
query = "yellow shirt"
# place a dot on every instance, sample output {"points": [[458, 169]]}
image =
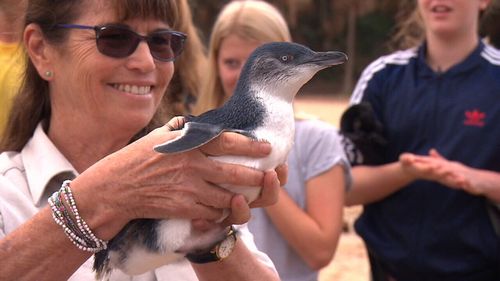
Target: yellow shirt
{"points": [[11, 67]]}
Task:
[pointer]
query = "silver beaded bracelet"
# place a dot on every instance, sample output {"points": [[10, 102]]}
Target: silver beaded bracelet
{"points": [[75, 228]]}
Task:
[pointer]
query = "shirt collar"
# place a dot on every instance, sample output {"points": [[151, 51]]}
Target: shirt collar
{"points": [[42, 161], [470, 62]]}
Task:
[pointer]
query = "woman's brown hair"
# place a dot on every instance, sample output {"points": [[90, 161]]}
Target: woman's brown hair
{"points": [[185, 85]]}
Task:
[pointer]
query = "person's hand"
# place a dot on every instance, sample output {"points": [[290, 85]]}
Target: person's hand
{"points": [[435, 167], [240, 209], [271, 182], [271, 187], [136, 182]]}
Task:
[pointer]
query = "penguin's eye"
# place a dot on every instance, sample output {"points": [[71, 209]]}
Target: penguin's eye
{"points": [[286, 58]]}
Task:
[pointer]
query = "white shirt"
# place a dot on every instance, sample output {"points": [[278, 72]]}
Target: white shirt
{"points": [[28, 178], [316, 149]]}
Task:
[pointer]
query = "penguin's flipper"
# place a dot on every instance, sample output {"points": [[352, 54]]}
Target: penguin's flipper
{"points": [[194, 135]]}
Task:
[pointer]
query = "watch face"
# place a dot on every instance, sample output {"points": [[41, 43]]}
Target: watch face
{"points": [[226, 247]]}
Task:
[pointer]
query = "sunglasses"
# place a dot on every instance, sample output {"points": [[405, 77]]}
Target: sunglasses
{"points": [[119, 41]]}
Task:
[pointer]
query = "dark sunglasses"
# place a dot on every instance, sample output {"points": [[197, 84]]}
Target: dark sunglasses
{"points": [[119, 41]]}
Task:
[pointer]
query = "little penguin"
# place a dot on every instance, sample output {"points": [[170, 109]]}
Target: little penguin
{"points": [[260, 108]]}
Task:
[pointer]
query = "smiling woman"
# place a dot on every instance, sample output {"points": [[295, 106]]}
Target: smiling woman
{"points": [[77, 161]]}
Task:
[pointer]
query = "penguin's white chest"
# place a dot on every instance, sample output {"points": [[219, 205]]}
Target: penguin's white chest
{"points": [[278, 129]]}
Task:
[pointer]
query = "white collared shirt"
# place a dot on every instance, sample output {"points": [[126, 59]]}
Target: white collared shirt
{"points": [[28, 178]]}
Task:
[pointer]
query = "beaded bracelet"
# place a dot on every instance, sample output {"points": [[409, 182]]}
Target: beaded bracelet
{"points": [[75, 228], [62, 218]]}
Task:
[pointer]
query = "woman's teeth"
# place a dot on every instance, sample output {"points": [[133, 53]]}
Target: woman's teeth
{"points": [[133, 89], [441, 9]]}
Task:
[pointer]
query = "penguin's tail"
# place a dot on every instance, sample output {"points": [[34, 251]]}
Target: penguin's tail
{"points": [[101, 265]]}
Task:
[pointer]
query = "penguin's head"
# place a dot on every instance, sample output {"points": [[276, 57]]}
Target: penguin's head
{"points": [[285, 66]]}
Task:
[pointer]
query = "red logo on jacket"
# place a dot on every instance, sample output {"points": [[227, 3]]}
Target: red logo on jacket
{"points": [[474, 118]]}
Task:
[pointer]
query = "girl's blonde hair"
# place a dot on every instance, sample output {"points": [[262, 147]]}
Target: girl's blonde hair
{"points": [[254, 20], [410, 28]]}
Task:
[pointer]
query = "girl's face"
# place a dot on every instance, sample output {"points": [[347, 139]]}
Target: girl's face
{"points": [[233, 53], [450, 18]]}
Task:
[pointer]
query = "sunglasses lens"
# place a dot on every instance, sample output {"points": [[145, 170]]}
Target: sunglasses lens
{"points": [[120, 42], [165, 45], [116, 42]]}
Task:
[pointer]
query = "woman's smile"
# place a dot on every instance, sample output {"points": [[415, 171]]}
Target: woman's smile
{"points": [[134, 89]]}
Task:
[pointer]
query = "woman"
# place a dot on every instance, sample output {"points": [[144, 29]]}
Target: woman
{"points": [[86, 97], [300, 233], [425, 217]]}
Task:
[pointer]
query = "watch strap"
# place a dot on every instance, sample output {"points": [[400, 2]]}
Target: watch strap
{"points": [[211, 255]]}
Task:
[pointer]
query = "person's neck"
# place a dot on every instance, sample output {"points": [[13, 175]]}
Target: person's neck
{"points": [[444, 53], [11, 24], [84, 150]]}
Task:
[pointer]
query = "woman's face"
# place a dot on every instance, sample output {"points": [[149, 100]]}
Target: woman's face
{"points": [[233, 53], [105, 93], [446, 18]]}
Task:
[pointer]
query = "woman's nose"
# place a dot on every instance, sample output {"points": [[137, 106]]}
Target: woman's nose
{"points": [[142, 58]]}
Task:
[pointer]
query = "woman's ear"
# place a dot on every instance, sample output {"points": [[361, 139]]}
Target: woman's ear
{"points": [[38, 50]]}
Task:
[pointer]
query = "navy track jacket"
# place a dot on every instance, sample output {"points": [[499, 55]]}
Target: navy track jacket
{"points": [[427, 231]]}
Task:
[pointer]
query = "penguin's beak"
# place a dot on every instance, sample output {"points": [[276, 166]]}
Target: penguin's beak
{"points": [[327, 59]]}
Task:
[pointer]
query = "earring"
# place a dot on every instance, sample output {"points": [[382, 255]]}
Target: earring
{"points": [[48, 73]]}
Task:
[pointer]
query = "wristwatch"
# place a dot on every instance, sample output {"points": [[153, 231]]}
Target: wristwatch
{"points": [[219, 251]]}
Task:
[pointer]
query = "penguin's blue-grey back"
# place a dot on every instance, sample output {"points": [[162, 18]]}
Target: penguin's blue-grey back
{"points": [[244, 110]]}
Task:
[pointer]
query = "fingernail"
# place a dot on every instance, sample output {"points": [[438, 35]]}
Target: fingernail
{"points": [[265, 147]]}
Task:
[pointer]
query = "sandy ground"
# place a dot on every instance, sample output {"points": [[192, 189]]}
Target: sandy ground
{"points": [[350, 261]]}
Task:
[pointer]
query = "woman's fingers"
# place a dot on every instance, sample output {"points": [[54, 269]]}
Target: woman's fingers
{"points": [[269, 192], [240, 211], [176, 123], [221, 173], [236, 144], [282, 172], [203, 213], [187, 185]]}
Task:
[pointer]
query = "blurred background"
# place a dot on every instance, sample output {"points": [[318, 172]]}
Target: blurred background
{"points": [[360, 28], [363, 30]]}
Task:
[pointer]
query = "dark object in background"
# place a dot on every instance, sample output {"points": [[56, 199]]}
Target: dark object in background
{"points": [[362, 135]]}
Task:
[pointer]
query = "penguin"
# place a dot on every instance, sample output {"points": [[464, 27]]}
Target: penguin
{"points": [[260, 108]]}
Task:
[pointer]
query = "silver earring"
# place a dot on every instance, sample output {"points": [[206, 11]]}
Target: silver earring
{"points": [[48, 73]]}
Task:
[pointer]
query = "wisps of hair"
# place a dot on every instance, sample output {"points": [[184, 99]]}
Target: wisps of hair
{"points": [[147, 9]]}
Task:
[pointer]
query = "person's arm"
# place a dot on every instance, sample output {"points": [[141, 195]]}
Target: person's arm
{"points": [[136, 182], [39, 250], [374, 183], [243, 264], [240, 265], [483, 182], [453, 174], [314, 232]]}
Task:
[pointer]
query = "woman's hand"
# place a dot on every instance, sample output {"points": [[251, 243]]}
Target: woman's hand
{"points": [[238, 144], [137, 182]]}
